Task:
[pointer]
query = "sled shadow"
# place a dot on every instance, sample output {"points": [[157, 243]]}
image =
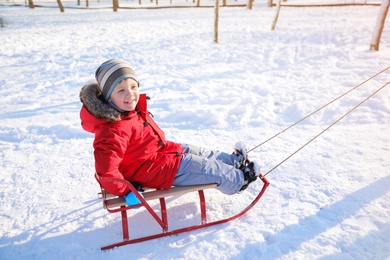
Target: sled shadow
{"points": [[288, 239], [91, 231], [43, 241]]}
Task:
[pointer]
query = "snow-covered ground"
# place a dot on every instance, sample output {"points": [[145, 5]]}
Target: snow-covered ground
{"points": [[329, 201]]}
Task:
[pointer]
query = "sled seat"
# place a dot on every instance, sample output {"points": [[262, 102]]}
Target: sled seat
{"points": [[111, 201]]}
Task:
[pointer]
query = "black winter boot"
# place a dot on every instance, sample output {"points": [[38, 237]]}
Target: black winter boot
{"points": [[251, 173]]}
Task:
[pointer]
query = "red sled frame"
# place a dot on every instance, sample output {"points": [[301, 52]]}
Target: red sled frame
{"points": [[163, 220]]}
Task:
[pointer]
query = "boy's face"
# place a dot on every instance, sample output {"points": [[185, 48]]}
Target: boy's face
{"points": [[125, 95]]}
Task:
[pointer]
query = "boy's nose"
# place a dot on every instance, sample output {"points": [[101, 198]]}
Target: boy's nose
{"points": [[129, 93]]}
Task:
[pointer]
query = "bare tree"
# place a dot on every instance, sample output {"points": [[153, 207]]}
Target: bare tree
{"points": [[380, 23]]}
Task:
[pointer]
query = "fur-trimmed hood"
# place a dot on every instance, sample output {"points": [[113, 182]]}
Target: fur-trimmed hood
{"points": [[92, 99]]}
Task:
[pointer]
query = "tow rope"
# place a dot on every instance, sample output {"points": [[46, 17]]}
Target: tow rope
{"points": [[327, 128]]}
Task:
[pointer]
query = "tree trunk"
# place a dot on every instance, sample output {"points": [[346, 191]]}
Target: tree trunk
{"points": [[380, 23]]}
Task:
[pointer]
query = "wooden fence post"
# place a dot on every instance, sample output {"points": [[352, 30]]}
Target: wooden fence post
{"points": [[31, 4], [276, 15], [380, 23], [250, 4], [216, 21], [115, 5], [60, 6]]}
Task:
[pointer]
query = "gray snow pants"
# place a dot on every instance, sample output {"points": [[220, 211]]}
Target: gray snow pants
{"points": [[202, 166]]}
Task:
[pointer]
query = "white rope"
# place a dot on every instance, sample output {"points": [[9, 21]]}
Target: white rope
{"points": [[323, 131], [304, 118]]}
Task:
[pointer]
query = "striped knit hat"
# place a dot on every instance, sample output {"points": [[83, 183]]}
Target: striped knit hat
{"points": [[110, 73]]}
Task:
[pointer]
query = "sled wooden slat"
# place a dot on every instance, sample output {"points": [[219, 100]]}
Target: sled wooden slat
{"points": [[115, 202], [176, 191]]}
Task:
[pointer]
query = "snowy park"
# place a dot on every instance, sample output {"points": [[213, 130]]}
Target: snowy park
{"points": [[329, 193]]}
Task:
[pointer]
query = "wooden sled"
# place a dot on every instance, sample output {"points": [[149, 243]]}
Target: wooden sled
{"points": [[114, 204]]}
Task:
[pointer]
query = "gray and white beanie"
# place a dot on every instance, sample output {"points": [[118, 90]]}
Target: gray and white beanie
{"points": [[110, 73]]}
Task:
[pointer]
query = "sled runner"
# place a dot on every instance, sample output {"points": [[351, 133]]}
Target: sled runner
{"points": [[114, 204]]}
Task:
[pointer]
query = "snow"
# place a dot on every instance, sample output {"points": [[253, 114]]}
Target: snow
{"points": [[331, 200]]}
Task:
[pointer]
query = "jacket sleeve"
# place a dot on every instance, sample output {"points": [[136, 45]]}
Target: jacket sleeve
{"points": [[110, 148]]}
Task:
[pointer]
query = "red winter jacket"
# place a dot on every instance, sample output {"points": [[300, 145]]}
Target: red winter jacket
{"points": [[133, 148]]}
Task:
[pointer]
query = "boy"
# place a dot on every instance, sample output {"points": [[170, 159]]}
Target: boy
{"points": [[129, 144]]}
